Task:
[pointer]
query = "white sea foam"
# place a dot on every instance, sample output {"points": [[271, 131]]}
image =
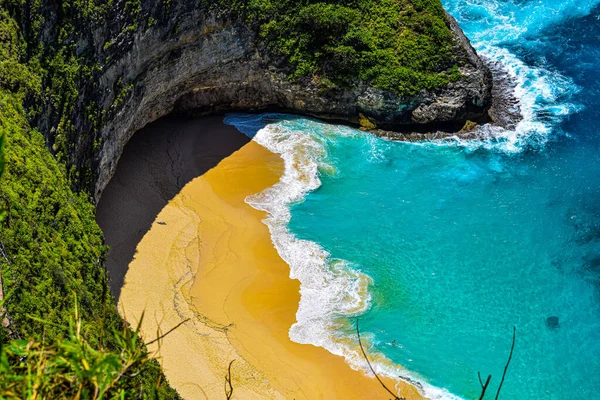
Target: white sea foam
{"points": [[331, 290], [328, 288], [541, 94], [544, 95]]}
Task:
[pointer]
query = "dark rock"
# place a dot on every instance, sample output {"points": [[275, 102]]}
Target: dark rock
{"points": [[552, 322], [505, 110]]}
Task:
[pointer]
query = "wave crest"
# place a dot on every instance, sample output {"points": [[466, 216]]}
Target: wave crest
{"points": [[500, 31]]}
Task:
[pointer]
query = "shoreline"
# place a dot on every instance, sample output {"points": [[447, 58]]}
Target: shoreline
{"points": [[239, 295], [321, 315]]}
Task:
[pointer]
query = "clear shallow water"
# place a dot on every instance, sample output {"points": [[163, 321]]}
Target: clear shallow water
{"points": [[444, 247]]}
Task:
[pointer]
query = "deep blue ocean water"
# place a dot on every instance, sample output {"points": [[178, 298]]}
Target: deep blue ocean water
{"points": [[459, 242]]}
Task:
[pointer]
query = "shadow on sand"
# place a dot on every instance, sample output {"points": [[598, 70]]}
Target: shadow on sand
{"points": [[156, 164]]}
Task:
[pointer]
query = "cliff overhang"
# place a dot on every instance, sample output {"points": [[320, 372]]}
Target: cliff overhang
{"points": [[197, 60]]}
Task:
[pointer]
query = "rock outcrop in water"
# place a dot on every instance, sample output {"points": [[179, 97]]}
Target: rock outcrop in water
{"points": [[552, 322], [181, 57]]}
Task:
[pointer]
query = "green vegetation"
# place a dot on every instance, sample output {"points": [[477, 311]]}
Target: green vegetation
{"points": [[2, 212], [400, 45], [51, 73], [52, 242], [51, 249], [71, 368]]}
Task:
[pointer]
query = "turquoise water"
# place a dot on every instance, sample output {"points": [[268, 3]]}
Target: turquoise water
{"points": [[459, 242]]}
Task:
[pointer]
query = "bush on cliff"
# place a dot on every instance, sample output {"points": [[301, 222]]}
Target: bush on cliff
{"points": [[399, 45], [71, 368], [50, 249]]}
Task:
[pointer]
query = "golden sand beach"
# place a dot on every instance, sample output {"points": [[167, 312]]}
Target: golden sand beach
{"points": [[208, 257]]}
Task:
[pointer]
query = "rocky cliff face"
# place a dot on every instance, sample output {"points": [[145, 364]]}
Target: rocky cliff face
{"points": [[181, 57]]}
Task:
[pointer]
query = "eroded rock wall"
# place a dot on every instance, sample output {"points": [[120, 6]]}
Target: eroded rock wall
{"points": [[181, 56]]}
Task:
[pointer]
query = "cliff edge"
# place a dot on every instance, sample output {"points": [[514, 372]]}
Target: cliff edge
{"points": [[112, 69]]}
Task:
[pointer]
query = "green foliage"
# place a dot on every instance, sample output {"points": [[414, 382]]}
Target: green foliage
{"points": [[49, 235], [1, 155], [9, 37], [54, 244], [55, 248], [122, 91], [71, 368], [2, 212], [400, 45], [15, 77], [134, 7]]}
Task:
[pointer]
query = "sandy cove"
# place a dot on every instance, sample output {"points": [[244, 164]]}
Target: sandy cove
{"points": [[208, 257]]}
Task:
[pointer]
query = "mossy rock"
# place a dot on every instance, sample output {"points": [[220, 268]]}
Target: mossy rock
{"points": [[365, 123]]}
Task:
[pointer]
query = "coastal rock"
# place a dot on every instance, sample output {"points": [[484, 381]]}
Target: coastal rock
{"points": [[365, 123], [468, 98], [552, 322], [183, 58]]}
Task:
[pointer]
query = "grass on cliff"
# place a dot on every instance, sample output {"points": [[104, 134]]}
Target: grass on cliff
{"points": [[71, 368], [50, 248], [400, 45], [52, 251]]}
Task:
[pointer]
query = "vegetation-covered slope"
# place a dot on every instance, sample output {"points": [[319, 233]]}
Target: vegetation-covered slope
{"points": [[51, 253], [51, 68], [399, 45]]}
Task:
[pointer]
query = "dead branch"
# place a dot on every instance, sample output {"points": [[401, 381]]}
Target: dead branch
{"points": [[512, 347], [371, 367], [487, 382], [484, 386], [228, 390], [169, 331]]}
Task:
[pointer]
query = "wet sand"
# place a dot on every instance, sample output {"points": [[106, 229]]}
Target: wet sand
{"points": [[208, 257]]}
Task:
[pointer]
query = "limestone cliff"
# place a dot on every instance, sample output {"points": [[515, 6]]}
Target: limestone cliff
{"points": [[181, 56]]}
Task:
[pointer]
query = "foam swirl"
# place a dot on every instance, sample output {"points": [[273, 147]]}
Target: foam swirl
{"points": [[502, 31], [331, 290]]}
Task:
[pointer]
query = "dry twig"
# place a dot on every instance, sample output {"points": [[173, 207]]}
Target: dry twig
{"points": [[487, 382], [483, 385], [169, 331], [371, 367], [512, 347], [228, 390]]}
